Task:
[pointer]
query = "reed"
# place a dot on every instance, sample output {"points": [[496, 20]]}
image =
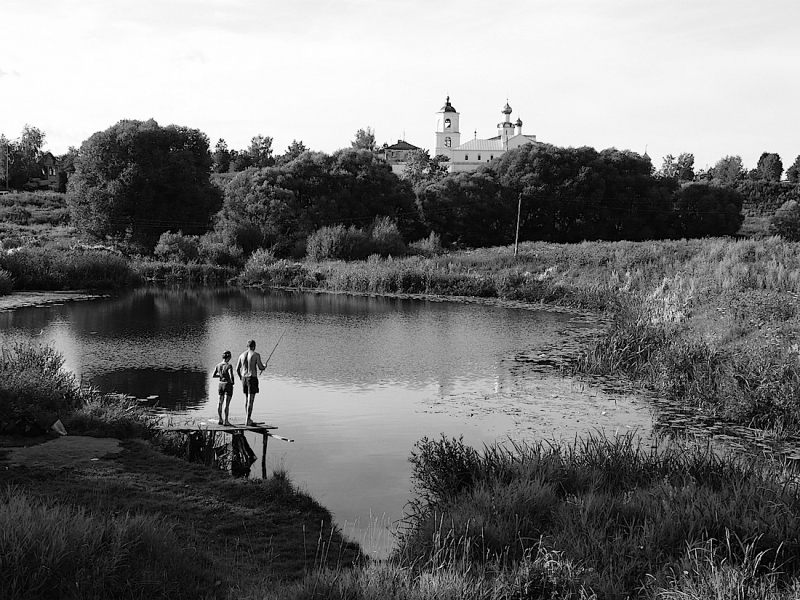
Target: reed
{"points": [[62, 267]]}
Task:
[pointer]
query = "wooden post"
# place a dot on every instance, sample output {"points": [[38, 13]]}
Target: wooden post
{"points": [[264, 437]]}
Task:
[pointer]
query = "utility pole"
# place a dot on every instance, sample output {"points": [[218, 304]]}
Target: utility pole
{"points": [[516, 238]]}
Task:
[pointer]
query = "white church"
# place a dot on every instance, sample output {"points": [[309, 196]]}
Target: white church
{"points": [[472, 154]]}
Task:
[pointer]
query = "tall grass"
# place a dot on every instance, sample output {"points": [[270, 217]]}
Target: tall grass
{"points": [[61, 267], [176, 272], [54, 551], [629, 516], [33, 382]]}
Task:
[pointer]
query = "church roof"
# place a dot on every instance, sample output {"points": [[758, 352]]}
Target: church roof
{"points": [[448, 107], [492, 144], [402, 145]]}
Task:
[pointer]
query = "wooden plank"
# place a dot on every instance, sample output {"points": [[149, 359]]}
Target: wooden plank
{"points": [[216, 427]]}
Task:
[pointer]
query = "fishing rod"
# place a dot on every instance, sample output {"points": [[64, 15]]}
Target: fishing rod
{"points": [[275, 348]]}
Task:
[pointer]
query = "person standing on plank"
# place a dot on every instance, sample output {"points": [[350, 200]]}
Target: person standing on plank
{"points": [[224, 372], [248, 368]]}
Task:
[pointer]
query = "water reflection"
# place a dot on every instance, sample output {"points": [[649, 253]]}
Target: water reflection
{"points": [[356, 381]]}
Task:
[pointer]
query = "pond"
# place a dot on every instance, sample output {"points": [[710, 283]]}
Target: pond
{"points": [[356, 381]]}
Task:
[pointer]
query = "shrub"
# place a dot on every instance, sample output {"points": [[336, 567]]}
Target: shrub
{"points": [[216, 249], [177, 247], [786, 221], [33, 382], [429, 246], [6, 283], [338, 243], [256, 269], [386, 238]]}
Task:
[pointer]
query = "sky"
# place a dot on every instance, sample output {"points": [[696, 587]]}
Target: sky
{"points": [[709, 77]]}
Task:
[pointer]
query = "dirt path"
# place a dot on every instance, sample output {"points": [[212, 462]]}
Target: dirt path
{"points": [[63, 451]]}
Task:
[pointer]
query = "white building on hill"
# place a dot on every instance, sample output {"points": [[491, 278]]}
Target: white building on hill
{"points": [[470, 155]]}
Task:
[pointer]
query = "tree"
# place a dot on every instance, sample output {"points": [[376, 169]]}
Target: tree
{"points": [[260, 151], [136, 180], [421, 169], [770, 166], [221, 157], [786, 221], [294, 150], [364, 140], [793, 172], [685, 166], [727, 170], [22, 156], [707, 210]]}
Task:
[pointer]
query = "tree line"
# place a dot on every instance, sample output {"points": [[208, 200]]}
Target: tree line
{"points": [[138, 180]]}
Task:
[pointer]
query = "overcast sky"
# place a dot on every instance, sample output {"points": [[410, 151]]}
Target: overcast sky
{"points": [[711, 77]]}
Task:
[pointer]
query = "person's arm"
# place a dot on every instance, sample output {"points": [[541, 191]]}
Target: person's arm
{"points": [[239, 367], [260, 364]]}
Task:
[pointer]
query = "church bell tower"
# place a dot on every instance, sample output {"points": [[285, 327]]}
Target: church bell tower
{"points": [[447, 133]]}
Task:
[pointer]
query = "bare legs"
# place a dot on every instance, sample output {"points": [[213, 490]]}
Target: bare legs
{"points": [[226, 398], [248, 403]]}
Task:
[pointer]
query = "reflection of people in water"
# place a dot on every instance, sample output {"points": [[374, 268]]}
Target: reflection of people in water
{"points": [[224, 372], [248, 368]]}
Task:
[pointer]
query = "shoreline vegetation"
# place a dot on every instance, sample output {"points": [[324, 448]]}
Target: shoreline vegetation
{"points": [[711, 324]]}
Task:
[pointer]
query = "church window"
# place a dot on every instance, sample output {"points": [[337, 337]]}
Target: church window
{"points": [[447, 142], [447, 123], [479, 156], [466, 157]]}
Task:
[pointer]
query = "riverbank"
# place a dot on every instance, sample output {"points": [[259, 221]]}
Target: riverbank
{"points": [[223, 534]]}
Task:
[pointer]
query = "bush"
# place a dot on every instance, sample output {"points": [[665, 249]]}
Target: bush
{"points": [[177, 247], [786, 221], [6, 283], [338, 243], [217, 250], [429, 246], [256, 269], [33, 382], [386, 238]]}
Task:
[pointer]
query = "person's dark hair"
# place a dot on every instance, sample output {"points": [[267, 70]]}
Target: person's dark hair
{"points": [[226, 354], [251, 344]]}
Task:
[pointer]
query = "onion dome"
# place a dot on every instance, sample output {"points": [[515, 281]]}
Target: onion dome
{"points": [[518, 123], [506, 109], [448, 107]]}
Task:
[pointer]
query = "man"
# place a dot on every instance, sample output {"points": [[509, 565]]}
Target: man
{"points": [[248, 368]]}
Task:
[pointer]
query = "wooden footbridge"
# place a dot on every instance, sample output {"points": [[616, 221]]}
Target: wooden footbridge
{"points": [[203, 428]]}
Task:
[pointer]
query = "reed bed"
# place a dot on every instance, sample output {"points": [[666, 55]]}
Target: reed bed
{"points": [[66, 267], [176, 272]]}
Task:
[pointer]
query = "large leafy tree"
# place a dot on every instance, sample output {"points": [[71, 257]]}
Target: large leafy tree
{"points": [[22, 157], [793, 172], [136, 180], [279, 207], [727, 170], [706, 210], [770, 166], [364, 140]]}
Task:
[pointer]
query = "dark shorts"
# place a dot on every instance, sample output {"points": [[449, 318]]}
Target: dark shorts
{"points": [[225, 389], [250, 385]]}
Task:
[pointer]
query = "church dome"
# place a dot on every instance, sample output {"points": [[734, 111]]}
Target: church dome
{"points": [[448, 107], [506, 109], [519, 123]]}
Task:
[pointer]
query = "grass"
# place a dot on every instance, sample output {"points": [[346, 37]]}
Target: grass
{"points": [[173, 272], [216, 533], [598, 518]]}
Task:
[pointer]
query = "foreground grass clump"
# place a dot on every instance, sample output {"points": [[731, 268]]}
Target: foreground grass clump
{"points": [[64, 267], [600, 518], [632, 519], [52, 551], [34, 383], [110, 415]]}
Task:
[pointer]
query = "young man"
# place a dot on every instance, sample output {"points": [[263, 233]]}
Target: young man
{"points": [[248, 368], [224, 372]]}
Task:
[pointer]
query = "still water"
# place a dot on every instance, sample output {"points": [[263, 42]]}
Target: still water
{"points": [[355, 381]]}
